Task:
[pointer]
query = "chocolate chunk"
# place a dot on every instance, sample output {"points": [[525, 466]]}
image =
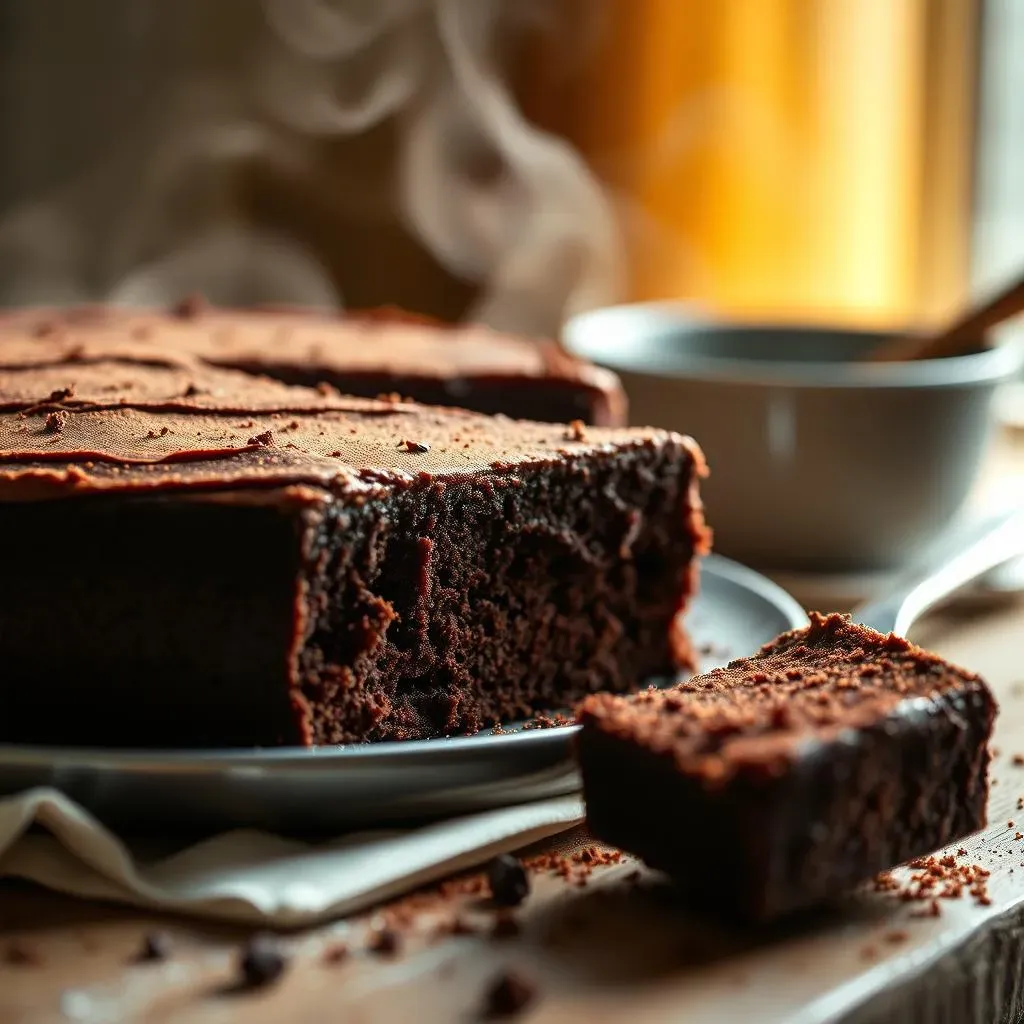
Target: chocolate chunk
{"points": [[508, 995], [261, 962], [155, 946], [510, 884], [385, 941], [265, 439]]}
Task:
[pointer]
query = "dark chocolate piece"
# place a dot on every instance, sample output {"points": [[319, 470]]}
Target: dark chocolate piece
{"points": [[508, 995], [261, 962], [155, 946], [785, 778], [508, 880], [364, 354], [385, 941], [258, 564]]}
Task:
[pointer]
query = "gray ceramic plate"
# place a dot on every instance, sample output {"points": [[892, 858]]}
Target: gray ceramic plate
{"points": [[328, 789]]}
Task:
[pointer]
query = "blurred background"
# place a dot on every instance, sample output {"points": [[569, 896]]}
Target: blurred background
{"points": [[852, 165], [514, 161]]}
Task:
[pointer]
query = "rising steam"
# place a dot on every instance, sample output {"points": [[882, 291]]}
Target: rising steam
{"points": [[495, 200]]}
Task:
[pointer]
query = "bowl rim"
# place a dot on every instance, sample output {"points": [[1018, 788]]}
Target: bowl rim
{"points": [[989, 366]]}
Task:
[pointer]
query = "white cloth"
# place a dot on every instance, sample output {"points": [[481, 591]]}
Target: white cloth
{"points": [[254, 877]]}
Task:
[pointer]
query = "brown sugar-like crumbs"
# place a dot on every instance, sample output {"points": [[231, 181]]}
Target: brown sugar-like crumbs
{"points": [[155, 946], [509, 994], [934, 878], [508, 880], [385, 942], [415, 446], [554, 721], [55, 422], [336, 953], [265, 440], [575, 431], [261, 962]]}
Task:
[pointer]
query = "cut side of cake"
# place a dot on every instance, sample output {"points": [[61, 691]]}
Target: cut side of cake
{"points": [[367, 355], [195, 556], [781, 780]]}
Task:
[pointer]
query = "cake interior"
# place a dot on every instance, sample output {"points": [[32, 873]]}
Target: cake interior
{"points": [[439, 607]]}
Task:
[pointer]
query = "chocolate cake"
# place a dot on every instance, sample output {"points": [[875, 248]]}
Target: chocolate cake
{"points": [[366, 355], [195, 556], [776, 782]]}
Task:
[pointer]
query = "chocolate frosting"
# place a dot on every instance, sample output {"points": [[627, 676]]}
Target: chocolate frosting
{"points": [[73, 421], [806, 687], [276, 338]]}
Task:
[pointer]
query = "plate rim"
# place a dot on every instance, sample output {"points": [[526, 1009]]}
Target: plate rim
{"points": [[312, 758]]}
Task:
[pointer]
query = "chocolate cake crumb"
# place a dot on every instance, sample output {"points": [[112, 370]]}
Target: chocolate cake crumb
{"points": [[336, 953], [509, 994], [191, 391], [575, 431], [261, 962], [55, 422], [509, 882], [155, 946], [415, 446], [18, 954], [190, 307], [264, 440], [62, 394], [1017, 760], [385, 942]]}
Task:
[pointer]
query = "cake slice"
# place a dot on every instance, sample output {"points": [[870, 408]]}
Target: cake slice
{"points": [[780, 780], [368, 355], [198, 557]]}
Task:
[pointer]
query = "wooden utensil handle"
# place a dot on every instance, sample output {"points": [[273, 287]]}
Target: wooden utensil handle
{"points": [[962, 335]]}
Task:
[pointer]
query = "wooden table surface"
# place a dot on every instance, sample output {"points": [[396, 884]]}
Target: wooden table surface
{"points": [[606, 950]]}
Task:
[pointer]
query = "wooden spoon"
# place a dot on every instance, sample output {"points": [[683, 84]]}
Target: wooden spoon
{"points": [[960, 336]]}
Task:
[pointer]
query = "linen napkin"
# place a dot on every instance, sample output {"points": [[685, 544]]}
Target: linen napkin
{"points": [[253, 877]]}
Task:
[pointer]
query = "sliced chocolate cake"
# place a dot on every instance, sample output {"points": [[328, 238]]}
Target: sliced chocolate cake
{"points": [[196, 556], [367, 355], [775, 783]]}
